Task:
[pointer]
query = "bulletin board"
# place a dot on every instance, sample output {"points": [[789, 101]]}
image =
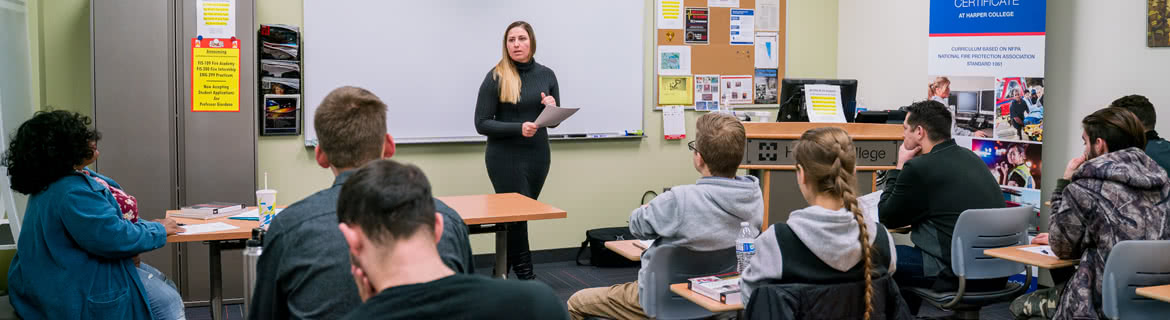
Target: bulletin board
{"points": [[719, 56]]}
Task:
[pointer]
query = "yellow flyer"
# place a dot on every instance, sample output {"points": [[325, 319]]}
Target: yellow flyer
{"points": [[676, 90], [215, 75]]}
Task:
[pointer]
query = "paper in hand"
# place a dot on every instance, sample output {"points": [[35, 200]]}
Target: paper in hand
{"points": [[552, 116]]}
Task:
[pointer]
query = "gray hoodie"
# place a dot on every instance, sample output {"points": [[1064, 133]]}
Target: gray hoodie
{"points": [[703, 216], [830, 235]]}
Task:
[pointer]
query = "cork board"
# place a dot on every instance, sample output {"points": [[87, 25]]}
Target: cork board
{"points": [[718, 56]]}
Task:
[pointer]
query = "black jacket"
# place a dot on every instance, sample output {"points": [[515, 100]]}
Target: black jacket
{"points": [[928, 195], [820, 301]]}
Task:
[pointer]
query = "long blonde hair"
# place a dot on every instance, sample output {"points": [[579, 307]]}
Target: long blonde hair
{"points": [[505, 72], [938, 82], [827, 158]]}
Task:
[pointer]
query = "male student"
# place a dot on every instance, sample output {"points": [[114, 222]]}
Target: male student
{"points": [[934, 182], [704, 216], [1111, 193], [1156, 147], [304, 272], [388, 220]]}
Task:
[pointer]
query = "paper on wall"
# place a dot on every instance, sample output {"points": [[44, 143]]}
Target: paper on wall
{"points": [[706, 92], [675, 90], [674, 60], [767, 15], [735, 89], [670, 14], [673, 123], [743, 26], [823, 102], [723, 3], [215, 18], [767, 54]]}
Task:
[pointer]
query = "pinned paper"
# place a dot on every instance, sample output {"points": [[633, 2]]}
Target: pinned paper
{"points": [[735, 89], [723, 3], [674, 60], [706, 92], [675, 90], [697, 24], [215, 75], [767, 15], [215, 18], [823, 102], [670, 14], [767, 50], [743, 26], [673, 123]]}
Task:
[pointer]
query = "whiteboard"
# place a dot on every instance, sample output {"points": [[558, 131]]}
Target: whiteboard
{"points": [[426, 59]]}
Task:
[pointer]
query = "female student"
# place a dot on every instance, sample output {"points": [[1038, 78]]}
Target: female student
{"points": [[831, 241], [78, 253], [512, 95]]}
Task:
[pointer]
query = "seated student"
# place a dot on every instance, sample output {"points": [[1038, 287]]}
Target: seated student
{"points": [[704, 216], [934, 182], [831, 241], [1112, 193], [78, 254], [387, 217], [304, 271], [1156, 147]]}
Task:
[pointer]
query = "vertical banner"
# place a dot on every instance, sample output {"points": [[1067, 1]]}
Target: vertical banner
{"points": [[215, 75], [986, 63]]}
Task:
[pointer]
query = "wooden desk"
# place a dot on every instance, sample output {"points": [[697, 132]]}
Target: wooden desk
{"points": [[626, 248], [703, 301], [495, 212], [1029, 258], [1161, 293], [216, 243]]}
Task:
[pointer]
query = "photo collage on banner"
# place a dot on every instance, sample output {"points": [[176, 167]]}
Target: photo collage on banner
{"points": [[986, 64]]}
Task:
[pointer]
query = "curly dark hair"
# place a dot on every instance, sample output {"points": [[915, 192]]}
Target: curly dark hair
{"points": [[1140, 106], [48, 147]]}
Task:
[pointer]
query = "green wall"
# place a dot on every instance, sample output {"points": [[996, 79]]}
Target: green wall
{"points": [[596, 182]]}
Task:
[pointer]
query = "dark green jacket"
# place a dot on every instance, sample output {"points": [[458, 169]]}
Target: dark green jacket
{"points": [[930, 192], [1158, 149]]}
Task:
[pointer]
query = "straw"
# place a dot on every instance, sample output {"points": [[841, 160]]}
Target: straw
{"points": [[265, 180]]}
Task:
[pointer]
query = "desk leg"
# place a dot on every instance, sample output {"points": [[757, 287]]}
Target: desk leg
{"points": [[216, 280], [501, 254]]}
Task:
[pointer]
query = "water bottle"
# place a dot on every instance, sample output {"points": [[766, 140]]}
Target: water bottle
{"points": [[745, 246], [252, 251]]}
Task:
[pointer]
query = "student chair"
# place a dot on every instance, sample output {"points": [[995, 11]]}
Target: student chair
{"points": [[672, 264], [1132, 264], [975, 231]]}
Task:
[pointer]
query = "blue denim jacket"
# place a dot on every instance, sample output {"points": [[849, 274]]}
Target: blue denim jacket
{"points": [[73, 255]]}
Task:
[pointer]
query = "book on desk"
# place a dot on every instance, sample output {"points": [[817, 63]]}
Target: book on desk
{"points": [[721, 287], [210, 210]]}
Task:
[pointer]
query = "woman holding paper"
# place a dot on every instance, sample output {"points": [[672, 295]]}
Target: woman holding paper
{"points": [[512, 96], [78, 251]]}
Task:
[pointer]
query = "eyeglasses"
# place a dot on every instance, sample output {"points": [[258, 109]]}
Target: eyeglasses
{"points": [[691, 145]]}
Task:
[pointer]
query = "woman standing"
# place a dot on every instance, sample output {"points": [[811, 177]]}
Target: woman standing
{"points": [[512, 95]]}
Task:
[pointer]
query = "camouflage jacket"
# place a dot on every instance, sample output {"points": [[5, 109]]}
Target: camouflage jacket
{"points": [[1118, 196]]}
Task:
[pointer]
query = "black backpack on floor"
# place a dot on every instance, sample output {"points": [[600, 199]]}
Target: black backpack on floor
{"points": [[599, 255]]}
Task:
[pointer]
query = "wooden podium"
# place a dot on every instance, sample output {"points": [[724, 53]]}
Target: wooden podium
{"points": [[769, 156]]}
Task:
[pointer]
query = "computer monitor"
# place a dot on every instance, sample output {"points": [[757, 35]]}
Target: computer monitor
{"points": [[792, 107], [966, 102]]}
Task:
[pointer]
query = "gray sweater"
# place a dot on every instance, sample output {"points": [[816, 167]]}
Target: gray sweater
{"points": [[830, 235], [703, 216]]}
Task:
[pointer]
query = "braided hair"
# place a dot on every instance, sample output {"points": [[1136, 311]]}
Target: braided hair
{"points": [[828, 159]]}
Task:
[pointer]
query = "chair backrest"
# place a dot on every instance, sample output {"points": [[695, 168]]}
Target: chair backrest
{"points": [[1132, 264], [672, 264], [982, 229]]}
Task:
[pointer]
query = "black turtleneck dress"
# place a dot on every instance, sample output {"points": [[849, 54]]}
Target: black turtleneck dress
{"points": [[516, 163]]}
